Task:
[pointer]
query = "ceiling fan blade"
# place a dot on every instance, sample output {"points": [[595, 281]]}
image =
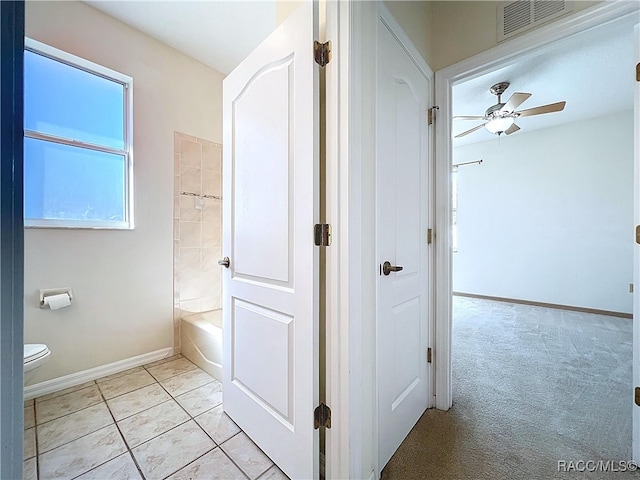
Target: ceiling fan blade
{"points": [[515, 101], [468, 117], [512, 129], [552, 107], [469, 131]]}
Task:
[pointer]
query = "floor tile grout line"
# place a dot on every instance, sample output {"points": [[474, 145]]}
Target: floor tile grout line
{"points": [[144, 410], [129, 450], [68, 414], [204, 411], [62, 395], [85, 435], [233, 461], [177, 356], [172, 398], [191, 390], [77, 438], [124, 440], [119, 375], [153, 380], [35, 432], [184, 409], [213, 380], [35, 426], [129, 447], [194, 460], [217, 445], [207, 433], [103, 463], [172, 376], [180, 373], [130, 391], [160, 434]]}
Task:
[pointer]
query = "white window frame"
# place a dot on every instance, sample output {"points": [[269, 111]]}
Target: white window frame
{"points": [[90, 67]]}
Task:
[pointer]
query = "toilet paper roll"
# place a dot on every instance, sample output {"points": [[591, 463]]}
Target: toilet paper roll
{"points": [[57, 302]]}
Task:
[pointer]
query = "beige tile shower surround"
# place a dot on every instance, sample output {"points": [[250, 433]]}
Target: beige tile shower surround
{"points": [[197, 227], [162, 420]]}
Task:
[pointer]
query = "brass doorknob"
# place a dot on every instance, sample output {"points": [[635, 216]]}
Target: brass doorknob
{"points": [[387, 268]]}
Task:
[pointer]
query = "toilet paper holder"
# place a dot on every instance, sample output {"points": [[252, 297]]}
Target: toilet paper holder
{"points": [[48, 292]]}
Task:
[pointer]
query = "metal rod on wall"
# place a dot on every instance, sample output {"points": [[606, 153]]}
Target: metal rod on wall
{"points": [[467, 163]]}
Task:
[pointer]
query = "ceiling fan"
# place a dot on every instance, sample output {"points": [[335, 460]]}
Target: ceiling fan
{"points": [[500, 118]]}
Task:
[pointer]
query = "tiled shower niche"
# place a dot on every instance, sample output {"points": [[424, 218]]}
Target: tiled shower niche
{"points": [[197, 227]]}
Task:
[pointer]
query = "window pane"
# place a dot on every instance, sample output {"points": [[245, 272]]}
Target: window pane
{"points": [[68, 102], [71, 183]]}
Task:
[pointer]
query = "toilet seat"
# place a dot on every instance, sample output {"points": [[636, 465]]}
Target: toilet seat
{"points": [[34, 351]]}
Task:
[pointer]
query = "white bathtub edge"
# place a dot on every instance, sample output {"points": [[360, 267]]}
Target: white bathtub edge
{"points": [[201, 341]]}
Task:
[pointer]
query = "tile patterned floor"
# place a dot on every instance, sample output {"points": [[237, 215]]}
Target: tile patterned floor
{"points": [[163, 420]]}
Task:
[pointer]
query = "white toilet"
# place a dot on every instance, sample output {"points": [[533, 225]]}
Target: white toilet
{"points": [[35, 354]]}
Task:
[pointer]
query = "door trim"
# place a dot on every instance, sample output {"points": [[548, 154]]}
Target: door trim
{"points": [[11, 241], [340, 256], [540, 39]]}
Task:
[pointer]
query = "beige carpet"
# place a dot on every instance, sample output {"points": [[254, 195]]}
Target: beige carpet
{"points": [[532, 386]]}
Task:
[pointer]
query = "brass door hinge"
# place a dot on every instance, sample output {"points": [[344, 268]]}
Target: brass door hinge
{"points": [[429, 236], [429, 355], [322, 234], [431, 114], [322, 52], [637, 233], [636, 395], [322, 417], [638, 72]]}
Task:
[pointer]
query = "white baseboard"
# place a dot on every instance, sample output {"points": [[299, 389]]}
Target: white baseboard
{"points": [[73, 379]]}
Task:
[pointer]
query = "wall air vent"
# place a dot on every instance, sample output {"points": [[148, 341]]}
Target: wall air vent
{"points": [[523, 15]]}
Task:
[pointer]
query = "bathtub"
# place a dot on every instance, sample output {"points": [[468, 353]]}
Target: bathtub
{"points": [[201, 340]]}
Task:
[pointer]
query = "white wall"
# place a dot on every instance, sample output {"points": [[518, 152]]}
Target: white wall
{"points": [[122, 280], [548, 216]]}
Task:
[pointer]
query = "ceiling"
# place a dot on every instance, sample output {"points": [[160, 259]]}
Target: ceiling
{"points": [[593, 72], [218, 33]]}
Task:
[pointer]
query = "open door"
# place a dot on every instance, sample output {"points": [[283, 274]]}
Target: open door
{"points": [[270, 285], [636, 256]]}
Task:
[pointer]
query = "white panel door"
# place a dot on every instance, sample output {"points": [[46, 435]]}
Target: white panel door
{"points": [[402, 205], [270, 290]]}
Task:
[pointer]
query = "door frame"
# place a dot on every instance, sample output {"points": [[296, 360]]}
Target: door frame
{"points": [[538, 40], [351, 270], [341, 261], [635, 425], [11, 241]]}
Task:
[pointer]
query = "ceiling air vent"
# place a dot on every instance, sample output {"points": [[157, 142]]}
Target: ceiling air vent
{"points": [[522, 15]]}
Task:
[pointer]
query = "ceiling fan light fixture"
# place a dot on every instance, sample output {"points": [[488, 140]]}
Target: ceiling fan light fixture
{"points": [[499, 125]]}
